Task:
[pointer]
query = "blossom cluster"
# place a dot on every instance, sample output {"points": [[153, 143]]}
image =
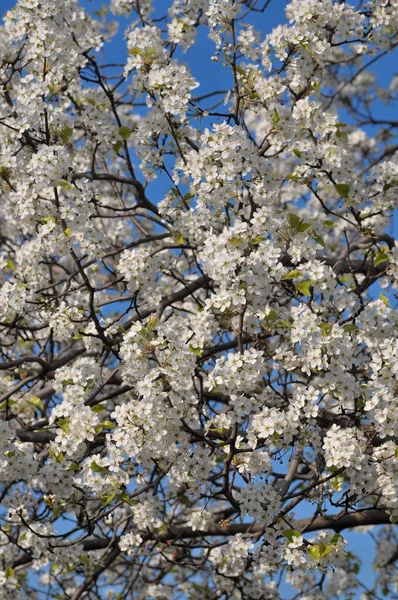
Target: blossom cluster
{"points": [[185, 361]]}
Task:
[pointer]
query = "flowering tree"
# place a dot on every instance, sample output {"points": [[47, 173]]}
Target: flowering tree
{"points": [[198, 375]]}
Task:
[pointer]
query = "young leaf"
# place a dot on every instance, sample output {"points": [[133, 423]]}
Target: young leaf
{"points": [[108, 499], [74, 467], [314, 552], [66, 134], [275, 117], [290, 534], [380, 257], [116, 147], [304, 287], [9, 572], [293, 220], [35, 400], [126, 498], [96, 468], [351, 327], [319, 239], [302, 228], [292, 275], [343, 189], [125, 132]]}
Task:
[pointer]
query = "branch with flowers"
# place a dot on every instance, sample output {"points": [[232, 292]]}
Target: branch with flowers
{"points": [[198, 310]]}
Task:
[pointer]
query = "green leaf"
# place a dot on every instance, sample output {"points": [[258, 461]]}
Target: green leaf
{"points": [[256, 240], [6, 403], [302, 228], [108, 424], [293, 220], [98, 408], [326, 328], [46, 220], [116, 147], [63, 423], [35, 400], [59, 457], [65, 185], [343, 189], [286, 324], [135, 51], [341, 132], [126, 498], [57, 511], [325, 549], [125, 132], [328, 223], [152, 322], [68, 232], [319, 239], [10, 265], [235, 240], [275, 117], [108, 499], [9, 572], [298, 153], [66, 134], [197, 351], [351, 327], [293, 177], [380, 257], [74, 467], [337, 537], [314, 552], [291, 533], [384, 299], [304, 287], [292, 275], [179, 238], [394, 519], [85, 560], [272, 315], [96, 468]]}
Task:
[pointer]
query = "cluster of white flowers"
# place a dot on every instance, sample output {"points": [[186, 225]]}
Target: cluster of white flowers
{"points": [[274, 426], [344, 447], [13, 297], [185, 16], [200, 519], [173, 370], [130, 542], [260, 501], [65, 321], [237, 371], [166, 83], [231, 559]]}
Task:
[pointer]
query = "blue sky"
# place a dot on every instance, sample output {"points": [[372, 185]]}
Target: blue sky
{"points": [[211, 76]]}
